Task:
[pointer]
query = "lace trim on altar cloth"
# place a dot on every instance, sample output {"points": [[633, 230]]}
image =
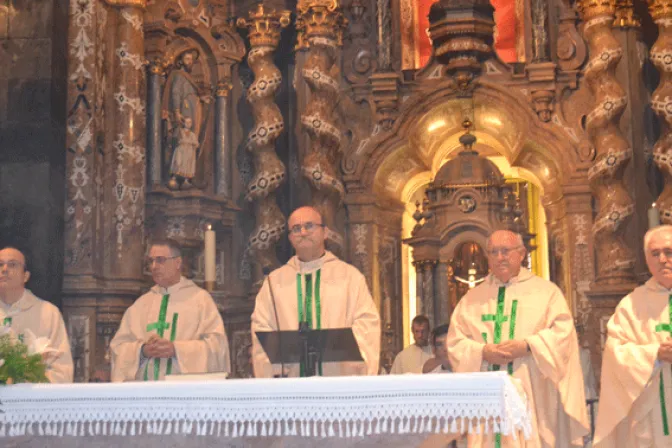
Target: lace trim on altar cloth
{"points": [[307, 407]]}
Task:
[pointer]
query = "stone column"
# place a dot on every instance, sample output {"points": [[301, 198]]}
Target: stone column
{"points": [[222, 141], [154, 162], [124, 261], [661, 102], [320, 25], [426, 291], [264, 27], [615, 260]]}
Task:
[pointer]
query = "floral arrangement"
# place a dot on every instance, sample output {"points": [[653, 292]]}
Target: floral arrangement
{"points": [[20, 363]]}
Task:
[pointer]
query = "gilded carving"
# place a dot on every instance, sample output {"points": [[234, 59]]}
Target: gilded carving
{"points": [[264, 27], [615, 260], [661, 101], [625, 15], [320, 26]]}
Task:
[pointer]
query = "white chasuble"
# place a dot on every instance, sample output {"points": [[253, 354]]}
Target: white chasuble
{"points": [[340, 299], [636, 389], [182, 313], [31, 316], [532, 309]]}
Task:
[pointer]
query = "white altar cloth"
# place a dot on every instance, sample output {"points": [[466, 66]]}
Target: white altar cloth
{"points": [[303, 407]]}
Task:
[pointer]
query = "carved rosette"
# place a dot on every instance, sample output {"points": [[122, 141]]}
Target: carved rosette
{"points": [[264, 27], [320, 25], [462, 33], [661, 101], [615, 260]]}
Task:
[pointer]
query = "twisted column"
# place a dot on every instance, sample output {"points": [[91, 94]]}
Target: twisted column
{"points": [[615, 260], [661, 101], [320, 25], [264, 27]]}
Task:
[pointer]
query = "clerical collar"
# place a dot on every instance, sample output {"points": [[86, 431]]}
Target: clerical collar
{"points": [[313, 265], [172, 288], [523, 275], [653, 284], [24, 302]]}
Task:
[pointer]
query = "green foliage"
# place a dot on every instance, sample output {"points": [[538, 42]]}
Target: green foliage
{"points": [[19, 366]]}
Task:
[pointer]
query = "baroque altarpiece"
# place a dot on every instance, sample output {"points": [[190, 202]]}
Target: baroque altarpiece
{"points": [[414, 127]]}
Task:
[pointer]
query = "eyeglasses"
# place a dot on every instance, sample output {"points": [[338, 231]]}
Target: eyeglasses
{"points": [[11, 265], [667, 253], [307, 226], [158, 260], [505, 251]]}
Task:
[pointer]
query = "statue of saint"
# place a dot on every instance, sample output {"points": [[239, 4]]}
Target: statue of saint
{"points": [[182, 105], [184, 156]]}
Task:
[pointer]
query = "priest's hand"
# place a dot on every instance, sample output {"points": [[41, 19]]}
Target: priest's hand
{"points": [[494, 354], [158, 348], [515, 349], [665, 352]]}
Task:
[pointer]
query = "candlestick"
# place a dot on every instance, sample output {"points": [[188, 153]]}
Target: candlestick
{"points": [[654, 216], [209, 255]]}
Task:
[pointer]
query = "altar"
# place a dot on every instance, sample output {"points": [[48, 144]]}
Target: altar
{"points": [[390, 411]]}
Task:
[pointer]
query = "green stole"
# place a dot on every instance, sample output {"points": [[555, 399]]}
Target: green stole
{"points": [[7, 322], [499, 319], [661, 391], [160, 326], [306, 307]]}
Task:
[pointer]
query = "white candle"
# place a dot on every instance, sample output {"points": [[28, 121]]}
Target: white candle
{"points": [[210, 254], [654, 216]]}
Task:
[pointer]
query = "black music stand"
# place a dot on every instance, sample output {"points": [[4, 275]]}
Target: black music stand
{"points": [[310, 347]]}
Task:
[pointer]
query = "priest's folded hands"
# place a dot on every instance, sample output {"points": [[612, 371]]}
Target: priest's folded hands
{"points": [[505, 352], [156, 347]]}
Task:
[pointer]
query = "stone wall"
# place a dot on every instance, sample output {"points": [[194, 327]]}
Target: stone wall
{"points": [[33, 51]]}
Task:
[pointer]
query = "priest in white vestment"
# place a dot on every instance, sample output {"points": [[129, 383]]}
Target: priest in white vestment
{"points": [[636, 386], [174, 328], [518, 322], [318, 288], [412, 358], [35, 321]]}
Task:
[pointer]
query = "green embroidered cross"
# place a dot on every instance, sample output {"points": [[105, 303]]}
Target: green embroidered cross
{"points": [[663, 408], [498, 319], [160, 326], [7, 322]]}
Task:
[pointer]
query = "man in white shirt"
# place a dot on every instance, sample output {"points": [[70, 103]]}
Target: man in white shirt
{"points": [[412, 358]]}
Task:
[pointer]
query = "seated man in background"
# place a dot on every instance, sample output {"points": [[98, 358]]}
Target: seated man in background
{"points": [[440, 362], [32, 318]]}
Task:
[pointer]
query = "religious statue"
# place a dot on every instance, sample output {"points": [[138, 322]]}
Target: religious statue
{"points": [[183, 112], [184, 156]]}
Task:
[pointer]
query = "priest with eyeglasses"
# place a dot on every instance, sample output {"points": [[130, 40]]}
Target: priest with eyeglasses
{"points": [[318, 288], [175, 328]]}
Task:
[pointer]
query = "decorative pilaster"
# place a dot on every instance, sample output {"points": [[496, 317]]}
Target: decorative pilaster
{"points": [[615, 260], [320, 25], [264, 27], [125, 259], [222, 143], [81, 200], [661, 101]]}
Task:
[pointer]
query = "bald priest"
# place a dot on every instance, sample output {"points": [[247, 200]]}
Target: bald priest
{"points": [[318, 288]]}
